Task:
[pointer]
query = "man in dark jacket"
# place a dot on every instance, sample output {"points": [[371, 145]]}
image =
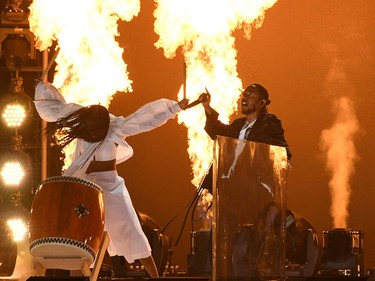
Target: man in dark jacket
{"points": [[257, 125], [249, 195]]}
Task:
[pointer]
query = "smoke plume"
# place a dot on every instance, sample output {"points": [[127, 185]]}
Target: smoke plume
{"points": [[338, 144]]}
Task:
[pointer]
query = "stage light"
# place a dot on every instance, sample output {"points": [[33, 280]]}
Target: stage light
{"points": [[18, 229], [14, 14], [15, 105], [12, 173], [14, 168], [302, 246], [17, 41], [16, 51], [13, 115]]}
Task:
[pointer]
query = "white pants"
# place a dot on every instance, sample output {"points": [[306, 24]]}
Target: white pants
{"points": [[121, 221]]}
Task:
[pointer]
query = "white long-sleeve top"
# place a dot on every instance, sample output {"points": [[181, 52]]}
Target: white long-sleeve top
{"points": [[51, 106]]}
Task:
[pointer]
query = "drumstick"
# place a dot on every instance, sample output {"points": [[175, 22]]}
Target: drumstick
{"points": [[198, 101], [51, 61], [184, 80]]}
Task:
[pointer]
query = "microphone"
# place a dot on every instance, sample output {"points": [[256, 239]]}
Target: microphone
{"points": [[201, 99], [194, 103]]}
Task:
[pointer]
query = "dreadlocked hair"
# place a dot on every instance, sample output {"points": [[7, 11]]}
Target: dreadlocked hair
{"points": [[89, 123]]}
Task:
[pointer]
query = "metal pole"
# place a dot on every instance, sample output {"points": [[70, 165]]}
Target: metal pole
{"points": [[184, 92], [43, 137]]}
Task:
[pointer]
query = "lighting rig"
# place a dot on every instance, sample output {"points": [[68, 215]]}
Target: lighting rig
{"points": [[20, 65]]}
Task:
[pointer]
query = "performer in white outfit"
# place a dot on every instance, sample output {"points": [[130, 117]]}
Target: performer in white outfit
{"points": [[100, 146]]}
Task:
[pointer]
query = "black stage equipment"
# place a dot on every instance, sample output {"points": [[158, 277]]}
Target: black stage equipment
{"points": [[8, 250], [342, 252], [301, 248], [200, 256]]}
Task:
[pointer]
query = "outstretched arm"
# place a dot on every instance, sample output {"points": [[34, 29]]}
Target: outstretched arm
{"points": [[50, 104], [149, 116]]}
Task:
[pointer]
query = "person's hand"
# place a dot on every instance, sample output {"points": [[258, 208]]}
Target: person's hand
{"points": [[205, 99], [183, 104], [36, 82]]}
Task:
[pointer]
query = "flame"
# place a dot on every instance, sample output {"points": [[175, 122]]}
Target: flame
{"points": [[341, 155], [280, 162], [204, 30], [89, 66], [85, 34]]}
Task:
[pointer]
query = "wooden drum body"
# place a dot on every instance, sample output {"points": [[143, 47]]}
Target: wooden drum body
{"points": [[67, 219]]}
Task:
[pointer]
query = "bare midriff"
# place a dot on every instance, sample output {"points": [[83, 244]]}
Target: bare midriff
{"points": [[101, 166]]}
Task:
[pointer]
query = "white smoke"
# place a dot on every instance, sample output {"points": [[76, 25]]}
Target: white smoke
{"points": [[338, 144]]}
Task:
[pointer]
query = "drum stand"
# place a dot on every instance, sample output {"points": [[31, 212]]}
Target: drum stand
{"points": [[77, 266]]}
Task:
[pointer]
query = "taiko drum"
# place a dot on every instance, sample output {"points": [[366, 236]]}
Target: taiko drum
{"points": [[67, 219]]}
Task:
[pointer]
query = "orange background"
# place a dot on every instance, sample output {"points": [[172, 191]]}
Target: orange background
{"points": [[291, 55]]}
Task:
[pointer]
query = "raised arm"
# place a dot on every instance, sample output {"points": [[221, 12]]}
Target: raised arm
{"points": [[50, 104]]}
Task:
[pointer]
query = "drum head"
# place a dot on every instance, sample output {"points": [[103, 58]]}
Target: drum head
{"points": [[57, 247]]}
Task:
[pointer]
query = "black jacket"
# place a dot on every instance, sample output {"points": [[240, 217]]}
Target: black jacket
{"points": [[267, 129]]}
